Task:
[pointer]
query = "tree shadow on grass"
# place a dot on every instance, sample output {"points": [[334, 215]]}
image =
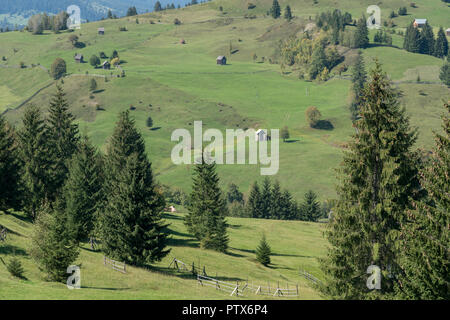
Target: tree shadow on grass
{"points": [[172, 216], [9, 249], [292, 140], [98, 91], [193, 243], [155, 128], [324, 125], [99, 288]]}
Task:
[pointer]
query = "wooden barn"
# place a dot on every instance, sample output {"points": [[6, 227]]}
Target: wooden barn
{"points": [[106, 65], [447, 32], [79, 58], [101, 31], [419, 23], [261, 135], [222, 60]]}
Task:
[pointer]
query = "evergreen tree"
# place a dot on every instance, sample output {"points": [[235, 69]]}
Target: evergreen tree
{"points": [[425, 254], [318, 61], [288, 13], [441, 44], [234, 194], [132, 229], [53, 246], [158, 6], [310, 208], [15, 268], [275, 11], [254, 203], [276, 201], [263, 251], [266, 198], [361, 34], [10, 166], [445, 74], [94, 61], [359, 78], [149, 122], [287, 207], [285, 133], [92, 85], [83, 189], [377, 178], [426, 40], [207, 209], [34, 155], [62, 140], [58, 68], [110, 16], [411, 41]]}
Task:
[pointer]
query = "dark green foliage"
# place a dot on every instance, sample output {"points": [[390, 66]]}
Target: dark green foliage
{"points": [[425, 256], [334, 20], [62, 140], [83, 192], [15, 268], [319, 61], [411, 41], [310, 208], [288, 13], [377, 179], [157, 7], [263, 251], [10, 166], [445, 74], [53, 246], [94, 61], [402, 11], [114, 55], [382, 36], [131, 11], [131, 225], [441, 44], [36, 160], [234, 194], [275, 11], [426, 40], [58, 68], [254, 205], [361, 34], [359, 78], [149, 122], [207, 209]]}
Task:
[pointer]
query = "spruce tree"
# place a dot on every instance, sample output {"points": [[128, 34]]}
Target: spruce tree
{"points": [[207, 208], [263, 251], [132, 229], [377, 179], [15, 268], [361, 34], [444, 75], [288, 13], [83, 191], [425, 254], [310, 208], [427, 42], [275, 202], [10, 191], [34, 155], [441, 45], [254, 206], [266, 198], [411, 41], [287, 207], [62, 140], [359, 78], [275, 11], [53, 246]]}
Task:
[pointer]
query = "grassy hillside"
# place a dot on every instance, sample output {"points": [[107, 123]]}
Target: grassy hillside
{"points": [[177, 84], [294, 244]]}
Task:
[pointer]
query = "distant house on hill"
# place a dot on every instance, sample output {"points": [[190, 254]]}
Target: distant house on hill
{"points": [[106, 65], [182, 41], [221, 60], [260, 135], [79, 58], [170, 209], [447, 32], [101, 31], [419, 23]]}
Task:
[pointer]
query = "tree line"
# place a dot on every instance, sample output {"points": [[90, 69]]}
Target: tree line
{"points": [[423, 41]]}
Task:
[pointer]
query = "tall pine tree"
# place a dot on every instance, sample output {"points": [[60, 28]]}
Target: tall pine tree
{"points": [[275, 11], [207, 209], [34, 155], [132, 229], [361, 34], [10, 193], [359, 78], [441, 45], [254, 206], [426, 258], [426, 41], [377, 178], [62, 140], [411, 41], [83, 191]]}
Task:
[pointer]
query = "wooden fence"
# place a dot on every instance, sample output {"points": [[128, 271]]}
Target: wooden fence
{"points": [[182, 267], [116, 265], [309, 276], [239, 289]]}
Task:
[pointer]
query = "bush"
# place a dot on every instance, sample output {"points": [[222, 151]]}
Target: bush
{"points": [[94, 61], [15, 268], [58, 68], [176, 21], [313, 116], [149, 122]]}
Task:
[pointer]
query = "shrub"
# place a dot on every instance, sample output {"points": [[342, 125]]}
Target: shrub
{"points": [[94, 61], [58, 68], [263, 252], [15, 268], [313, 116], [176, 21], [149, 122]]}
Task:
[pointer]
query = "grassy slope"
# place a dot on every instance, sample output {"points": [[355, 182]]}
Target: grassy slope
{"points": [[299, 246]]}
